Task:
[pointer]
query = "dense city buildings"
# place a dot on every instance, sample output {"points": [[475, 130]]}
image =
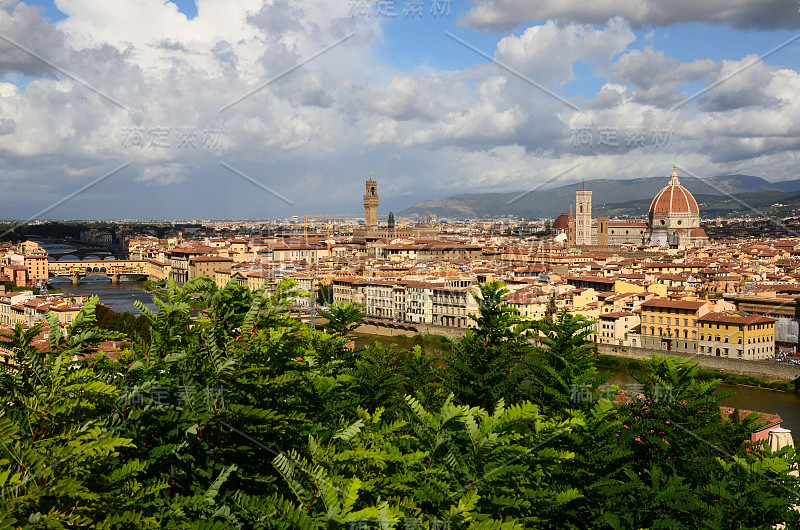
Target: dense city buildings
{"points": [[659, 284]]}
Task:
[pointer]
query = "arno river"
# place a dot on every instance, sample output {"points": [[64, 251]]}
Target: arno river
{"points": [[785, 404], [120, 297]]}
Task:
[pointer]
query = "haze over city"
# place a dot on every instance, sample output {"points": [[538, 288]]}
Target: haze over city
{"points": [[257, 109]]}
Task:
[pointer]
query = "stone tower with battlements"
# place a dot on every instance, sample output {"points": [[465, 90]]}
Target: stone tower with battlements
{"points": [[371, 204]]}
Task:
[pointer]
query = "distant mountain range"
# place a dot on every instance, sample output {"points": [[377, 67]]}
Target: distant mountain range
{"points": [[721, 195]]}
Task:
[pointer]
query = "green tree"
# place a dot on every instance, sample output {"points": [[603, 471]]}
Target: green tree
{"points": [[325, 294], [343, 318], [243, 417], [561, 368], [482, 366]]}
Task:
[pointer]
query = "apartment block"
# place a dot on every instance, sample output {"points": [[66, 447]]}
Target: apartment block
{"points": [[725, 334], [671, 325]]}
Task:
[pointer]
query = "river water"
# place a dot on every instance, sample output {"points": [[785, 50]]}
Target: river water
{"points": [[119, 296], [785, 404]]}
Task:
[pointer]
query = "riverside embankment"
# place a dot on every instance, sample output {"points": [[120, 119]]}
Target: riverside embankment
{"points": [[769, 370]]}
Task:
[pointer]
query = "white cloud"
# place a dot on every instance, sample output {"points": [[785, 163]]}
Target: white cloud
{"points": [[546, 53], [163, 175]]}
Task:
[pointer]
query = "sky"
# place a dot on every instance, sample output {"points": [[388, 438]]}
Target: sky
{"points": [[212, 109]]}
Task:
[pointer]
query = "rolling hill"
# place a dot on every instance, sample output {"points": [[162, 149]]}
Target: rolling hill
{"points": [[712, 193]]}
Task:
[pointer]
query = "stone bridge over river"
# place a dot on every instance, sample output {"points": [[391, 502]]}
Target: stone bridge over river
{"points": [[114, 269]]}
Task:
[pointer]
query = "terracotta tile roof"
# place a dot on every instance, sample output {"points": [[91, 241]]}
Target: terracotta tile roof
{"points": [[727, 318], [618, 314], [674, 304], [209, 259], [771, 419]]}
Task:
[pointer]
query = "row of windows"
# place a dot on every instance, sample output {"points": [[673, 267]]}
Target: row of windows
{"points": [[756, 327], [716, 338], [669, 310], [750, 340], [676, 346], [725, 351], [669, 320], [669, 333]]}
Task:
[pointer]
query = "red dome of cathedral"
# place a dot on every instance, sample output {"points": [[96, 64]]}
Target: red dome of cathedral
{"points": [[561, 222], [674, 199]]}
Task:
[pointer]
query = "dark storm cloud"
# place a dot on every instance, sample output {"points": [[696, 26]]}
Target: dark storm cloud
{"points": [[505, 15]]}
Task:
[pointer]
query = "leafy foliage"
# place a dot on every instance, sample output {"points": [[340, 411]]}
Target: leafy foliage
{"points": [[482, 366], [242, 417], [342, 318]]}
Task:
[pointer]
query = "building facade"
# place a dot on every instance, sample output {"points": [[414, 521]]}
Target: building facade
{"points": [[615, 328], [725, 334], [671, 325]]}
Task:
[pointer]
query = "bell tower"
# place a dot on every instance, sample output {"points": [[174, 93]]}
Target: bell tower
{"points": [[371, 204], [583, 217]]}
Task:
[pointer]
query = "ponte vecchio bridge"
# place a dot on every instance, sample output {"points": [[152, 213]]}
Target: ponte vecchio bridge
{"points": [[113, 269]]}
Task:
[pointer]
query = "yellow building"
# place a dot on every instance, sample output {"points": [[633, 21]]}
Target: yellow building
{"points": [[622, 286], [671, 325], [206, 265], [157, 270], [36, 262], [530, 304], [583, 298], [222, 277], [725, 334], [256, 279]]}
